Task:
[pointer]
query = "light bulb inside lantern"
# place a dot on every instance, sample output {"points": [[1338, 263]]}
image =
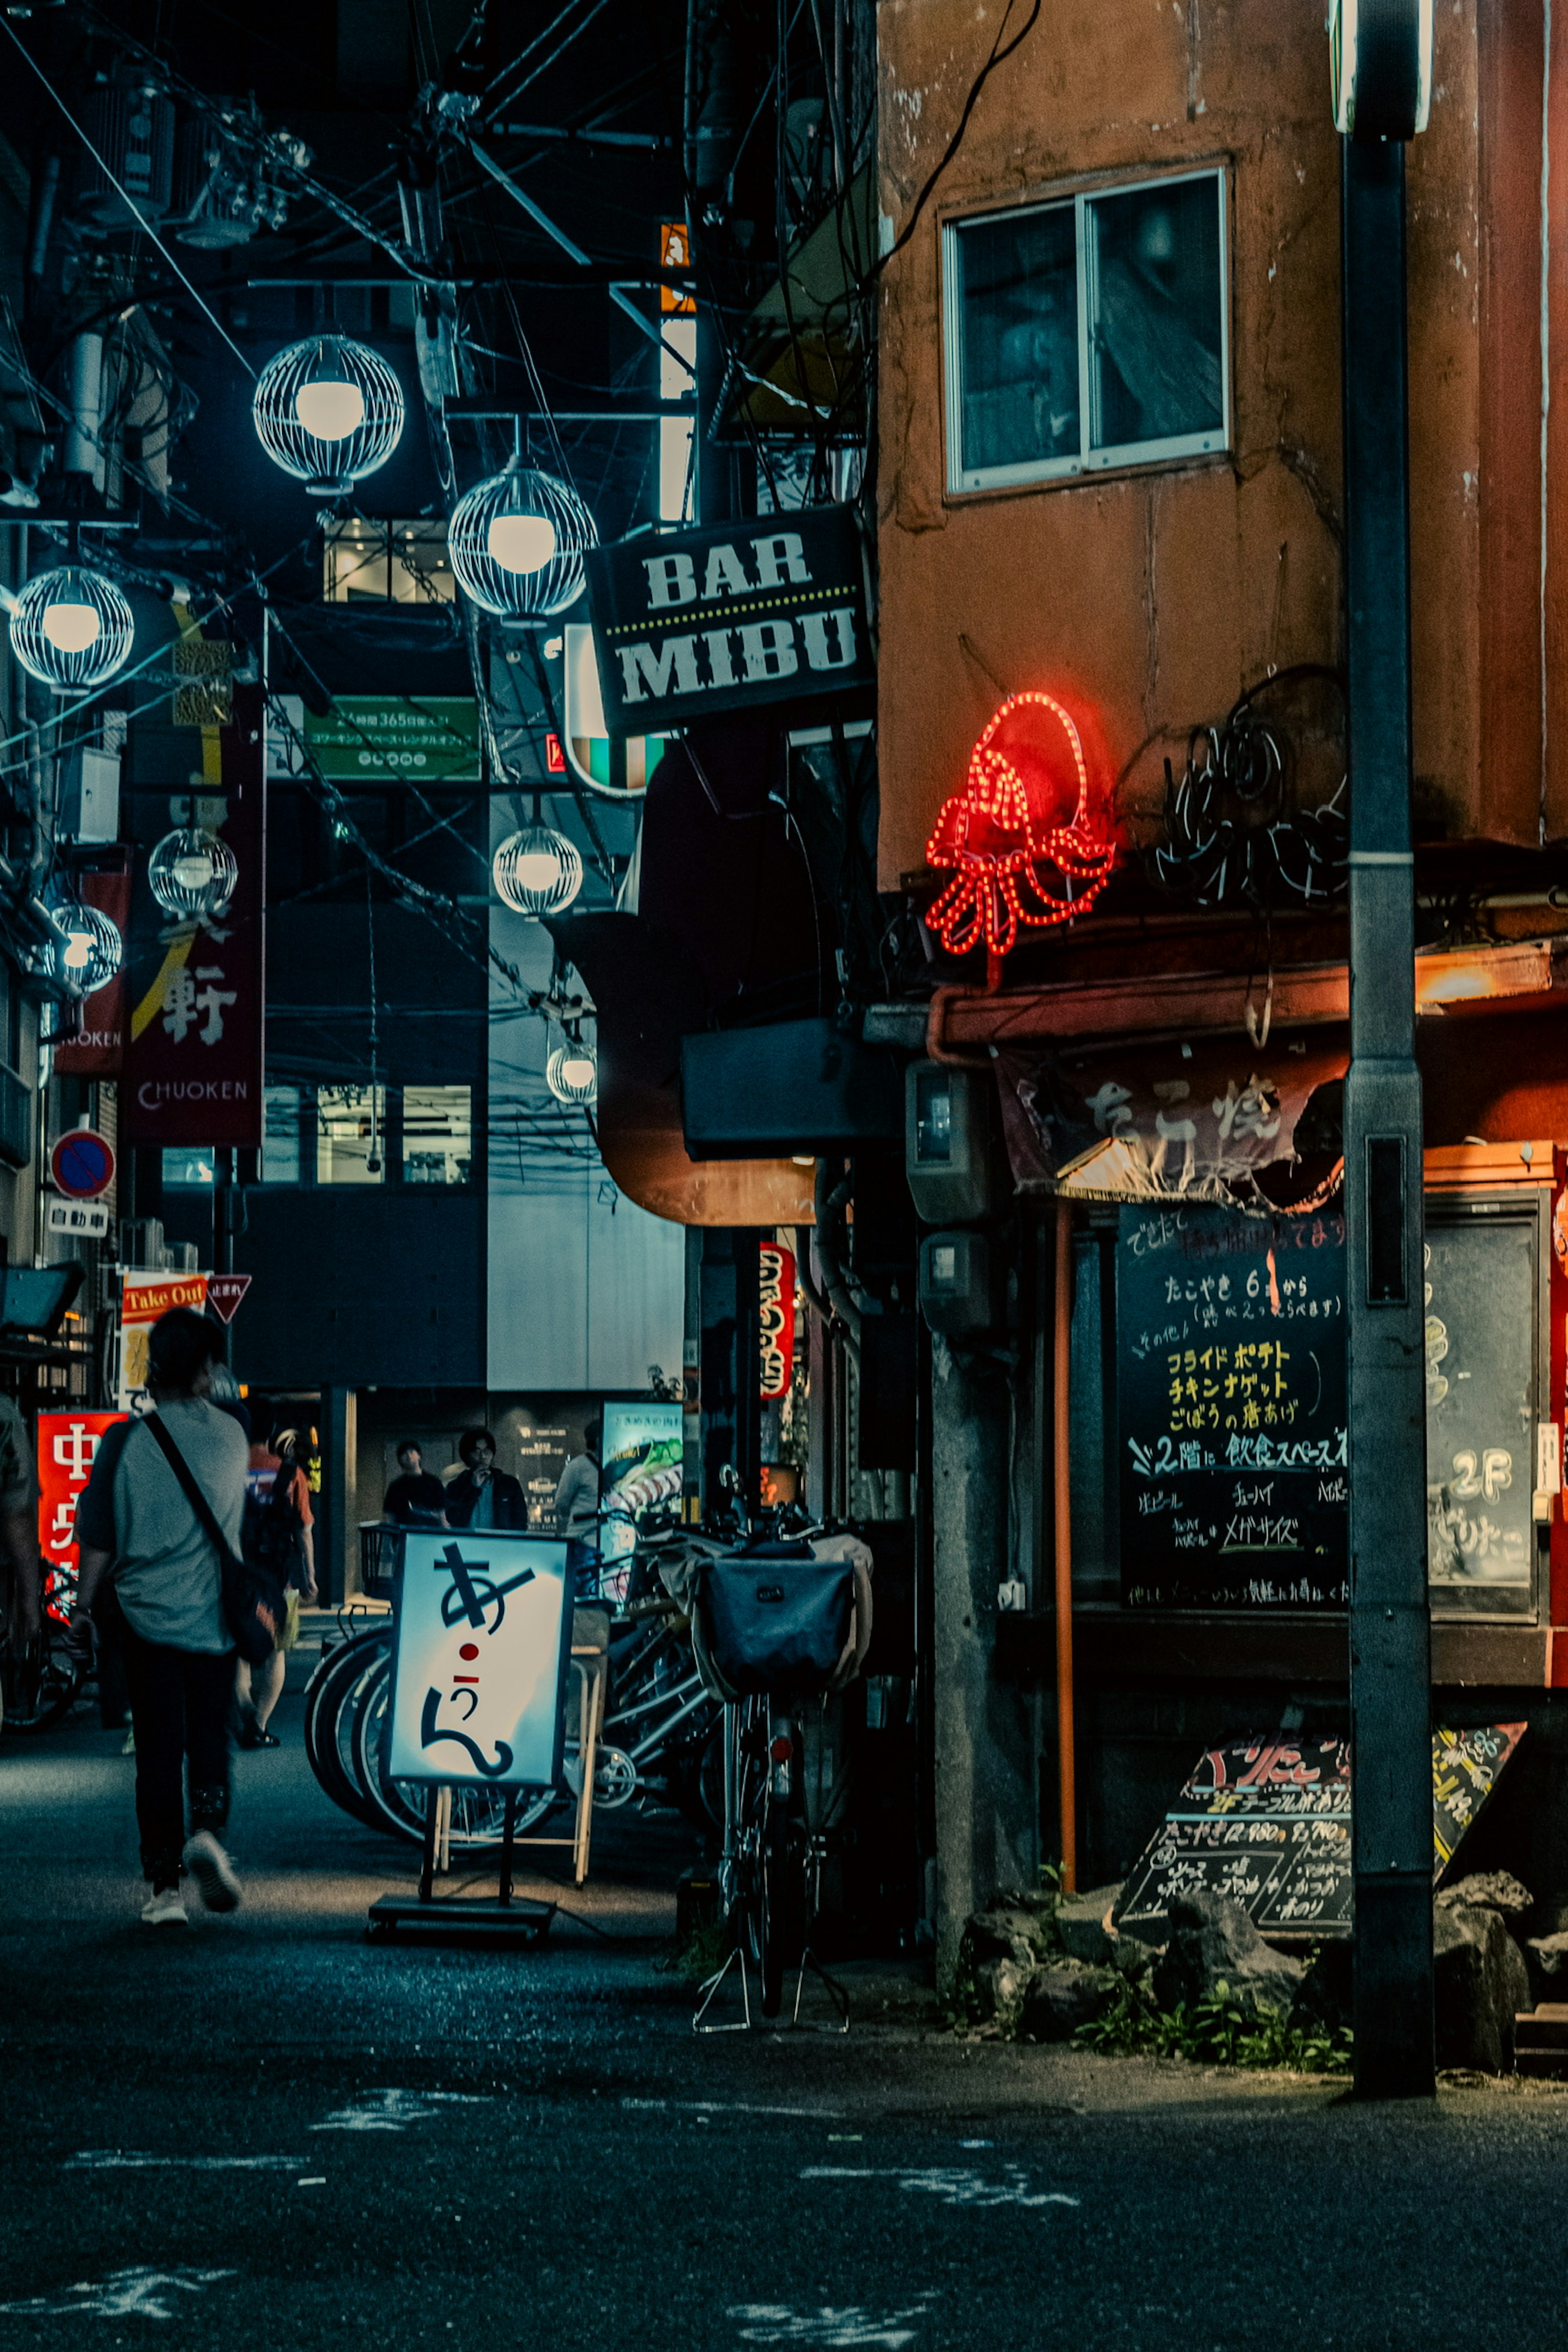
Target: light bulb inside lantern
{"points": [[521, 542], [78, 948], [577, 1071], [538, 870], [194, 871], [72, 629], [329, 409]]}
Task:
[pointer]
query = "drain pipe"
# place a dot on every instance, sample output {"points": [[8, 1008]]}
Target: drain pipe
{"points": [[1061, 1403], [831, 1200]]}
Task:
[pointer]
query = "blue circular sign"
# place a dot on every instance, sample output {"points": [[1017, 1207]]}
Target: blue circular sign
{"points": [[82, 1164]]}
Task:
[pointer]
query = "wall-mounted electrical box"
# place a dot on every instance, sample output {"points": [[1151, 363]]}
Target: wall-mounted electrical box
{"points": [[961, 1287], [950, 1142], [89, 796]]}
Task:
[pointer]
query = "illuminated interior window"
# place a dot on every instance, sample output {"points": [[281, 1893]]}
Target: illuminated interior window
{"points": [[185, 1168], [437, 1135], [404, 561], [1086, 333], [351, 1135], [280, 1135]]}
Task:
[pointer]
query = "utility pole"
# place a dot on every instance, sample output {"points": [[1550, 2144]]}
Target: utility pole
{"points": [[1381, 101]]}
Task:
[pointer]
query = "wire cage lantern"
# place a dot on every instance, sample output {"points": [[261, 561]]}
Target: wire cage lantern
{"points": [[516, 543], [88, 947], [572, 1071], [329, 410], [538, 871], [72, 629], [192, 874]]}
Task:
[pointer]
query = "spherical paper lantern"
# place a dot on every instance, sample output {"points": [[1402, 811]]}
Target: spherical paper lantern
{"points": [[87, 950], [72, 628], [517, 544], [572, 1072], [192, 874], [329, 410], [538, 871]]}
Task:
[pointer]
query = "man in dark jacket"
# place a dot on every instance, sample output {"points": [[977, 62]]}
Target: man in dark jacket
{"points": [[484, 1496]]}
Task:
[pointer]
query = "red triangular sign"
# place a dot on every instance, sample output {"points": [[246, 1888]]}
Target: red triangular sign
{"points": [[225, 1292]]}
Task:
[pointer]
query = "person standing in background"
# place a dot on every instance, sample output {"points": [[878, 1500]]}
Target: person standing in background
{"points": [[415, 1498], [485, 1497], [577, 1510], [286, 1533]]}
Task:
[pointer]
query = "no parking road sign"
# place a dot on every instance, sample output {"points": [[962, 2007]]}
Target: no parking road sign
{"points": [[82, 1164]]}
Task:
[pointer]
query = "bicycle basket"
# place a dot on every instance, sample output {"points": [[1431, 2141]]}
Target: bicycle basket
{"points": [[777, 1624]]}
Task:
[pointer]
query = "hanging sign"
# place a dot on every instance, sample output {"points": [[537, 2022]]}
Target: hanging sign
{"points": [[375, 737], [67, 1448], [82, 1164], [775, 1319], [193, 1055], [225, 1292], [483, 1645], [695, 623]]}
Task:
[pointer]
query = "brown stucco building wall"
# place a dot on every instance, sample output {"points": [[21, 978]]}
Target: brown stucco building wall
{"points": [[1157, 594]]}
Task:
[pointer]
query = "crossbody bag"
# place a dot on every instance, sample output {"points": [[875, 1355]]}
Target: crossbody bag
{"points": [[253, 1603]]}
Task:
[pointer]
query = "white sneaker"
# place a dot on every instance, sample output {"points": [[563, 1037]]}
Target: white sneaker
{"points": [[212, 1872], [165, 1908]]}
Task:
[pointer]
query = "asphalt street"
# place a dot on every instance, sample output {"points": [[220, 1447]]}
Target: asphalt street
{"points": [[261, 2132]]}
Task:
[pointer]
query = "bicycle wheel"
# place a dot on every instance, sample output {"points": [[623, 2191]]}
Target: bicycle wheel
{"points": [[330, 1698], [41, 1681]]}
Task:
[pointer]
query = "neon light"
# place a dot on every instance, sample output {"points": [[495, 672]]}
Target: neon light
{"points": [[1001, 855]]}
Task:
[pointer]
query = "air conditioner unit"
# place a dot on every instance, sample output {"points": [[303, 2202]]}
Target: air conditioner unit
{"points": [[89, 796], [141, 1245]]}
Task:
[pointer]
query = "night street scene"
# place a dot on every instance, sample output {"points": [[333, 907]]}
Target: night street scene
{"points": [[784, 1175]]}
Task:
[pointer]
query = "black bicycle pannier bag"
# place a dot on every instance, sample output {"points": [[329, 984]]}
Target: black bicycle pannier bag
{"points": [[777, 1624]]}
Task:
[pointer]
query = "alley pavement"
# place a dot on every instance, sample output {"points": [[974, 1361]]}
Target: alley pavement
{"points": [[263, 2133]]}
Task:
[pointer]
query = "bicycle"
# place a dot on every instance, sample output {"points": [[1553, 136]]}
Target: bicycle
{"points": [[39, 1678]]}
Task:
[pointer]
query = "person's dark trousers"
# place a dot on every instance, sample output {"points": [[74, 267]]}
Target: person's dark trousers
{"points": [[180, 1702]]}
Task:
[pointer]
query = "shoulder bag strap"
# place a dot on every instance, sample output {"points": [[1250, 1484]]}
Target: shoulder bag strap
{"points": [[206, 1517]]}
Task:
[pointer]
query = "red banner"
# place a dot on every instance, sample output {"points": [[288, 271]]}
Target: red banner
{"points": [[775, 1319], [192, 1063], [96, 1051], [67, 1445]]}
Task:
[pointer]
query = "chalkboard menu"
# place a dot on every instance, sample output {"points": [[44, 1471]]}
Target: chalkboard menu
{"points": [[1480, 1412], [1267, 1821], [1231, 1405]]}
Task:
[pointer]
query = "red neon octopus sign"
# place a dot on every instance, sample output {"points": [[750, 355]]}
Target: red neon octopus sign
{"points": [[1012, 861]]}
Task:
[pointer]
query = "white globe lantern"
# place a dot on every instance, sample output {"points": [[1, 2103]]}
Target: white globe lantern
{"points": [[192, 874], [72, 628], [88, 949], [329, 410], [538, 871], [517, 544], [572, 1072]]}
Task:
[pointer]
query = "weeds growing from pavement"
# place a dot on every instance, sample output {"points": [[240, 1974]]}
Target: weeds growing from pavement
{"points": [[1217, 2032]]}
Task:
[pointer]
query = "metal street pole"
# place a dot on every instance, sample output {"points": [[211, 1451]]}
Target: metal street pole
{"points": [[1390, 1624]]}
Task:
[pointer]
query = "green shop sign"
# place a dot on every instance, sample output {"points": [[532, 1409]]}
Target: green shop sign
{"points": [[424, 738]]}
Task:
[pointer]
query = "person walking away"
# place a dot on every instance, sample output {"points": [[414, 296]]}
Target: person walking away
{"points": [[149, 1567], [21, 1575], [287, 1532], [484, 1496], [415, 1498], [577, 1511]]}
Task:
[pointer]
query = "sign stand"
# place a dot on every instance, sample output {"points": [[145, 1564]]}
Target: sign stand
{"points": [[461, 1918]]}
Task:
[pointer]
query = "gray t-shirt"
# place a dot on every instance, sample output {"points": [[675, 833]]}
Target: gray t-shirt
{"points": [[166, 1575]]}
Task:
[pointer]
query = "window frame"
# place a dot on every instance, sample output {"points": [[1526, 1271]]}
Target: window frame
{"points": [[1177, 449]]}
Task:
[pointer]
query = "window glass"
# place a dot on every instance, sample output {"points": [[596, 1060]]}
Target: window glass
{"points": [[1087, 332], [420, 571], [1154, 327], [404, 561], [1020, 324], [185, 1167], [280, 1135], [355, 565], [436, 1135], [351, 1135]]}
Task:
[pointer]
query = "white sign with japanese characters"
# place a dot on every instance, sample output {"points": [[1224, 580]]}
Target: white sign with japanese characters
{"points": [[484, 1631]]}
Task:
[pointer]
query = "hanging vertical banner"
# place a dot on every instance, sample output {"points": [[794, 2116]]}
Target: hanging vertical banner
{"points": [[98, 1048], [775, 1319], [192, 1056], [67, 1447]]}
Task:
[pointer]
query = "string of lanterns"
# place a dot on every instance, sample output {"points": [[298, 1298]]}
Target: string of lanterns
{"points": [[329, 410], [72, 629]]}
